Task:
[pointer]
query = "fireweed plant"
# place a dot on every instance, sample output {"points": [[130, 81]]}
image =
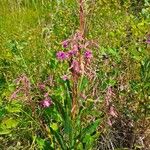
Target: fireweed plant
{"points": [[62, 118], [78, 56]]}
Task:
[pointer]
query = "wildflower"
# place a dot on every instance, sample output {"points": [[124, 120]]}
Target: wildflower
{"points": [[109, 95], [61, 55], [14, 95], [41, 86], [148, 41], [65, 43], [72, 52], [113, 112], [79, 36], [109, 122], [75, 47], [75, 66], [64, 77], [46, 94], [88, 54], [46, 102]]}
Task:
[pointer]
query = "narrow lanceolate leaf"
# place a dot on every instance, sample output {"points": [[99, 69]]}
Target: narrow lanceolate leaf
{"points": [[64, 115], [88, 130], [59, 139], [59, 108], [69, 95]]}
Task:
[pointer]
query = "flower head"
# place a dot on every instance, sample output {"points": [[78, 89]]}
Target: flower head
{"points": [[148, 41], [64, 77], [88, 54], [61, 55], [41, 86], [79, 36], [65, 43], [75, 66], [109, 122], [113, 112], [46, 102], [72, 52]]}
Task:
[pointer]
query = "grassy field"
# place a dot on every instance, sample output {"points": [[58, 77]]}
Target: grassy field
{"points": [[64, 87]]}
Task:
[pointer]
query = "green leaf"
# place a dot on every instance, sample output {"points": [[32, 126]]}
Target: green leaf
{"points": [[88, 130], [83, 83], [59, 138], [54, 126], [13, 107], [4, 131], [9, 123], [2, 112], [64, 115], [68, 100]]}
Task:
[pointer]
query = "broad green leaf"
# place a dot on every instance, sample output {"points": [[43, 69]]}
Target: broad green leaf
{"points": [[4, 131], [88, 130], [13, 107], [9, 123], [54, 126]]}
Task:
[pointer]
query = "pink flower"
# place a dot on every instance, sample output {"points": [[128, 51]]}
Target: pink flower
{"points": [[109, 95], [14, 95], [61, 55], [72, 52], [65, 43], [79, 36], [41, 86], [75, 47], [75, 66], [46, 94], [109, 122], [46, 102], [88, 54], [148, 41], [65, 77], [112, 111]]}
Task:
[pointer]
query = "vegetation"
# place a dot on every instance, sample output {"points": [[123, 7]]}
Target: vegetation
{"points": [[74, 74]]}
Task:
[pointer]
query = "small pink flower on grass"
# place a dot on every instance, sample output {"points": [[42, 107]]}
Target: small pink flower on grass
{"points": [[109, 122], [75, 66], [46, 94], [64, 77], [65, 43], [79, 36], [88, 54], [109, 95], [72, 52], [14, 95], [113, 112], [148, 41], [61, 55], [46, 102], [41, 86]]}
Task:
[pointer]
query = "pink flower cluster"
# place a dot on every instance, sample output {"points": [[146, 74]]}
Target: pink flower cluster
{"points": [[23, 86], [75, 44], [77, 53], [46, 102]]}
